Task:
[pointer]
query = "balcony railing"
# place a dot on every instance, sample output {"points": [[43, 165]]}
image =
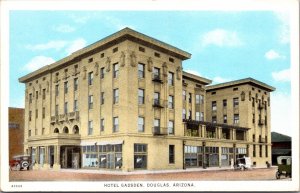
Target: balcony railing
{"points": [[157, 78], [158, 103], [73, 115], [62, 117], [53, 119], [160, 130]]}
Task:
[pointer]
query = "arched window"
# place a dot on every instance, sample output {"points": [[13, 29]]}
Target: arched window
{"points": [[76, 129], [56, 130], [66, 130]]}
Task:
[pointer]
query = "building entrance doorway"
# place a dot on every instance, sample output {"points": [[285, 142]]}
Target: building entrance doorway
{"points": [[69, 156]]}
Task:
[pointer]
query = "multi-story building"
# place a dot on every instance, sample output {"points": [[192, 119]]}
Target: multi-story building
{"points": [[16, 131], [121, 103]]}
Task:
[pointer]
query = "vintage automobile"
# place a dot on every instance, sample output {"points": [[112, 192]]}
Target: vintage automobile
{"points": [[284, 166], [20, 162]]}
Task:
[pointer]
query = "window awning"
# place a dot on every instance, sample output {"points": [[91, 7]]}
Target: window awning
{"points": [[117, 142]]}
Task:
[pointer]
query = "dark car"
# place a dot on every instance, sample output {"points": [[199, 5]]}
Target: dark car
{"points": [[20, 162]]}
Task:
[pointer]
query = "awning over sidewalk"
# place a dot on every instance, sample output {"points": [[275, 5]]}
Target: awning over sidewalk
{"points": [[117, 142]]}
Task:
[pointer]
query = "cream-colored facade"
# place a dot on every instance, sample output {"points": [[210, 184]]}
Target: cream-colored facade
{"points": [[123, 103]]}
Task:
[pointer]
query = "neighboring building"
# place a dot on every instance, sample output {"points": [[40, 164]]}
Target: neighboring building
{"points": [[281, 146], [16, 131], [123, 103], [245, 104]]}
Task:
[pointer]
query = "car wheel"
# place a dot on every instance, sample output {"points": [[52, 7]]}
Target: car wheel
{"points": [[277, 175], [25, 164], [18, 167]]}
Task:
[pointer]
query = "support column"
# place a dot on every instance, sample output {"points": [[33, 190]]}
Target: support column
{"points": [[248, 153], [203, 155], [200, 131], [233, 134], [203, 131], [36, 158], [46, 161], [219, 132], [234, 153], [56, 165]]}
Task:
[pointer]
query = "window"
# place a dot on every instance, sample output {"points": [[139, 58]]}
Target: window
{"points": [[115, 49], [171, 60], [43, 112], [102, 55], [197, 99], [189, 114], [236, 119], [156, 123], [183, 114], [156, 73], [66, 87], [102, 125], [116, 70], [30, 98], [29, 133], [201, 99], [141, 96], [75, 84], [102, 98], [90, 78], [102, 72], [116, 96], [56, 110], [90, 132], [190, 97], [171, 154], [44, 94], [141, 49], [254, 151], [235, 89], [266, 120], [171, 128], [156, 98], [90, 60], [253, 102], [266, 151], [30, 114], [201, 116], [171, 78], [197, 116], [141, 124], [36, 113], [184, 95], [171, 102], [224, 103], [56, 90], [260, 151], [141, 68], [214, 119], [235, 102], [156, 54], [253, 118], [36, 94], [225, 118], [213, 93], [253, 138], [115, 124], [90, 101], [66, 108], [214, 105], [75, 105], [140, 156]]}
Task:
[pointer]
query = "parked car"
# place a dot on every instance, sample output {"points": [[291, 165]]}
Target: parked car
{"points": [[20, 162], [243, 163], [284, 166]]}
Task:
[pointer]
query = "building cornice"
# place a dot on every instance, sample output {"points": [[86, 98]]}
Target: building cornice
{"points": [[196, 78]]}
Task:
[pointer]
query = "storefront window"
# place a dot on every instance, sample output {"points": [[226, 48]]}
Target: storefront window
{"points": [[140, 156], [89, 156]]}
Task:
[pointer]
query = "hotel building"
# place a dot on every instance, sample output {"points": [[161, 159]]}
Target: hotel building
{"points": [[124, 103]]}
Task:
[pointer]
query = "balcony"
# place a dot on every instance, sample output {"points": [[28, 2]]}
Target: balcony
{"points": [[73, 115], [53, 119], [261, 122], [62, 117], [157, 78], [160, 130], [158, 103]]}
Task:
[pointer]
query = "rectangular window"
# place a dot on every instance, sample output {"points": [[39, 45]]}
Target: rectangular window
{"points": [[36, 113], [90, 60], [141, 49], [254, 151], [102, 125], [260, 151], [225, 118], [91, 101], [184, 95], [116, 70], [141, 124], [189, 114], [29, 133], [253, 102], [190, 97], [30, 98], [224, 103], [171, 154], [253, 118], [197, 99], [156, 123], [214, 119], [43, 112], [90, 78], [141, 96], [253, 138], [141, 68], [56, 110], [66, 107], [30, 114], [75, 105], [235, 102], [236, 118], [214, 105], [201, 99], [183, 114], [115, 124], [197, 116], [66, 87], [201, 116], [90, 132], [75, 84], [156, 98], [171, 102], [171, 128], [44, 94], [37, 94], [156, 54], [171, 78], [171, 60], [115, 49], [102, 98], [266, 151], [56, 90], [266, 120], [116, 96], [102, 72], [156, 73], [140, 156]]}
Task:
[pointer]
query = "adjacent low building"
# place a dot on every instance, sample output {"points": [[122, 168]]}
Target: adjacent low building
{"points": [[125, 103], [281, 146]]}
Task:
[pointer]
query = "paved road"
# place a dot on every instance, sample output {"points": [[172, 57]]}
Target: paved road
{"points": [[71, 175]]}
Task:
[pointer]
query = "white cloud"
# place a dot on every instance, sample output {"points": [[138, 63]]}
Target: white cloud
{"points": [[64, 28], [283, 75], [54, 44], [193, 72], [75, 45], [272, 54], [38, 62], [284, 27], [80, 19], [218, 79], [281, 106], [221, 38]]}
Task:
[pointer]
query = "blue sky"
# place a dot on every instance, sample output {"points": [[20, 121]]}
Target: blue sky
{"points": [[224, 45]]}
